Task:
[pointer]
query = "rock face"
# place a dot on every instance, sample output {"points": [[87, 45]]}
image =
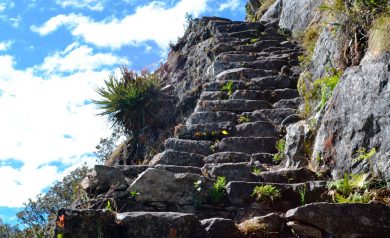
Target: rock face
{"points": [[297, 15], [358, 118], [345, 220]]}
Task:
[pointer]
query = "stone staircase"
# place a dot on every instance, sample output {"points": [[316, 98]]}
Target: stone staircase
{"points": [[232, 133]]}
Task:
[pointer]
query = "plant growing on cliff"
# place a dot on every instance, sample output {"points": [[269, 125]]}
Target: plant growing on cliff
{"points": [[228, 88], [133, 102], [218, 189], [363, 154], [266, 193], [280, 145], [351, 188]]}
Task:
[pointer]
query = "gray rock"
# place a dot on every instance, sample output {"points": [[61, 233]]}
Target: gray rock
{"points": [[219, 227], [103, 178], [261, 225], [298, 138], [273, 13], [232, 105], [189, 146], [288, 176], [327, 52], [297, 14], [179, 169], [155, 185], [231, 171], [171, 157], [304, 230], [227, 157], [248, 145], [264, 129], [358, 117], [345, 220], [159, 225], [211, 117]]}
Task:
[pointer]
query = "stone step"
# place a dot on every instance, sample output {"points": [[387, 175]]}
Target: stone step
{"points": [[227, 157], [256, 129], [211, 117], [236, 56], [275, 115], [262, 64], [189, 146], [213, 95], [232, 105], [258, 46], [263, 158], [253, 34], [207, 131], [240, 194], [172, 157], [244, 74], [248, 145], [218, 85], [271, 96], [271, 82], [288, 103], [241, 171], [242, 26], [287, 176]]}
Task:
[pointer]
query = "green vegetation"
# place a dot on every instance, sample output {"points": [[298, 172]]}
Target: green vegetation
{"points": [[302, 195], [280, 145], [355, 18], [107, 146], [133, 194], [352, 188], [228, 88], [133, 102], [256, 171], [250, 17], [266, 193], [363, 154], [243, 119], [218, 189], [108, 206], [316, 94]]}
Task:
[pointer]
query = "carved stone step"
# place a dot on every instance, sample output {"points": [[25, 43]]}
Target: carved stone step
{"points": [[269, 95], [218, 85], [288, 103], [172, 157], [256, 129], [263, 64], [269, 82], [213, 95], [232, 105], [248, 145], [208, 131], [242, 26], [231, 171], [189, 146], [227, 157], [258, 46], [244, 74], [211, 117], [241, 34], [288, 176], [275, 115], [240, 194]]}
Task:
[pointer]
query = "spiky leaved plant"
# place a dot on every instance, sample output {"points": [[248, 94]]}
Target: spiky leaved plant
{"points": [[133, 102]]}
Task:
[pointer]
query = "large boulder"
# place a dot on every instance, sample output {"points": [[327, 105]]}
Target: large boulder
{"points": [[155, 185], [220, 227], [358, 118], [159, 225], [103, 178], [297, 15], [345, 220]]}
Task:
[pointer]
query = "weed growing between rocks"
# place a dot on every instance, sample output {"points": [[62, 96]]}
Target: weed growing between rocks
{"points": [[218, 190], [280, 145], [352, 188], [266, 193]]}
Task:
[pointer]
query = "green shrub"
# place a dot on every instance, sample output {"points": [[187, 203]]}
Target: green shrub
{"points": [[266, 193], [228, 88], [218, 189], [352, 188], [280, 145]]}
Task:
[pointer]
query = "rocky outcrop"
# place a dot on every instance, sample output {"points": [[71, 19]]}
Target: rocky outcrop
{"points": [[357, 119]]}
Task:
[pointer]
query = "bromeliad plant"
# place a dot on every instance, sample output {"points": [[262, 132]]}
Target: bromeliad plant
{"points": [[134, 103], [351, 188]]}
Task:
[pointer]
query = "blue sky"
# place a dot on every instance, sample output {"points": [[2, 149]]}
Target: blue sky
{"points": [[53, 55]]}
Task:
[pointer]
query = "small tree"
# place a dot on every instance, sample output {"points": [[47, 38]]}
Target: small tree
{"points": [[133, 102]]}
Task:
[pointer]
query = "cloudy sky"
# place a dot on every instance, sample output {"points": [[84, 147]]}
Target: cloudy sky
{"points": [[53, 55]]}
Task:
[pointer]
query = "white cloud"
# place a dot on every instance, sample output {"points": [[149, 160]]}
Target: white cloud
{"points": [[40, 110], [230, 4], [6, 4], [94, 5], [2, 6], [153, 22], [5, 45]]}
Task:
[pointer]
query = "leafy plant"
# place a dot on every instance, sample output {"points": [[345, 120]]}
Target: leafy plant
{"points": [[364, 155], [256, 171], [218, 189], [280, 145], [353, 198], [228, 88], [302, 195], [108, 206], [133, 194], [266, 193], [243, 119], [134, 103], [352, 188]]}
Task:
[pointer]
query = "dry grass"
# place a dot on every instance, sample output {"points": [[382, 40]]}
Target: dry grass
{"points": [[379, 41], [264, 8], [116, 154], [251, 226]]}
